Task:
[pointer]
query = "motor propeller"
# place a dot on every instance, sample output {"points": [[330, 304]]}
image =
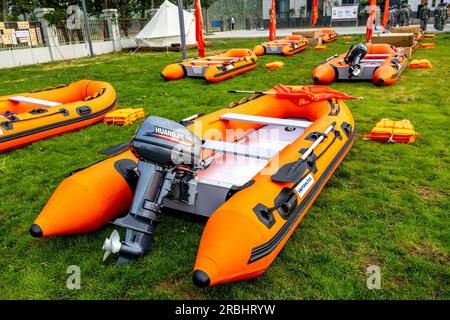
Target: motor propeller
{"points": [[111, 244]]}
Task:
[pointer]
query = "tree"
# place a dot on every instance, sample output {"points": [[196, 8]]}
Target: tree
{"points": [[23, 7], [206, 4], [5, 10]]}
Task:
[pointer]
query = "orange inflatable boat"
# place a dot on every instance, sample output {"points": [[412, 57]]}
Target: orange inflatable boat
{"points": [[380, 63], [254, 168], [286, 46], [328, 35], [29, 117], [213, 68]]}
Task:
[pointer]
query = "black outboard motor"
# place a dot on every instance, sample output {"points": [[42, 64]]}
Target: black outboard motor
{"points": [[354, 56], [162, 147]]}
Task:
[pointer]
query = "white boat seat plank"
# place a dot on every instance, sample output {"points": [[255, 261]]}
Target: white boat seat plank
{"points": [[240, 149], [39, 102], [266, 120], [372, 60], [368, 61], [379, 55], [212, 62], [225, 57], [237, 170]]}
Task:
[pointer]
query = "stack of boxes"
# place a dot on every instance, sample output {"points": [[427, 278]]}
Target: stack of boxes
{"points": [[404, 40], [313, 36], [409, 29]]}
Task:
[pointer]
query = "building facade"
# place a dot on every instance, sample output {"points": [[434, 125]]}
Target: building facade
{"points": [[302, 8]]}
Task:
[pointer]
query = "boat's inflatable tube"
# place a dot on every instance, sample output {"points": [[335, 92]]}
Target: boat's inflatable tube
{"points": [[286, 46], [89, 198], [214, 68], [382, 64], [309, 135], [29, 117], [328, 35], [244, 235]]}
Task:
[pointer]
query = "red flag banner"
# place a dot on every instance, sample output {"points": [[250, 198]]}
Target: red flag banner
{"points": [[199, 29], [273, 23], [371, 19], [385, 14], [315, 12]]}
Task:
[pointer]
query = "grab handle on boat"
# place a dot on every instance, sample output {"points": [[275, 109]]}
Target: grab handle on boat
{"points": [[191, 118], [317, 142], [328, 59], [291, 172]]}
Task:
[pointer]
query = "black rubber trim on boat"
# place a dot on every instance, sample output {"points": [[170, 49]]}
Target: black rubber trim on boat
{"points": [[310, 160], [335, 108], [14, 119], [346, 127], [313, 136], [58, 124], [200, 279], [286, 202], [38, 111], [126, 169], [184, 69], [265, 215], [235, 189], [234, 69], [64, 112], [7, 125], [83, 110], [36, 231], [265, 249]]}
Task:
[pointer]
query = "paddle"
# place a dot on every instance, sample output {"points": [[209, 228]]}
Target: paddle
{"points": [[110, 151], [305, 94], [291, 172], [348, 52]]}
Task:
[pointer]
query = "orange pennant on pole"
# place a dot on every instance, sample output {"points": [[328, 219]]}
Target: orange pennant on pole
{"points": [[371, 19], [199, 29], [273, 23], [315, 12], [385, 14]]}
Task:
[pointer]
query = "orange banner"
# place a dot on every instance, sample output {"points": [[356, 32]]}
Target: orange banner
{"points": [[371, 19], [315, 12], [385, 14], [273, 23], [199, 29]]}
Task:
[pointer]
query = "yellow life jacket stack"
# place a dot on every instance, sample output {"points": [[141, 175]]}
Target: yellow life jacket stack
{"points": [[430, 36], [124, 117], [422, 63], [387, 130], [320, 47], [428, 45], [274, 65]]}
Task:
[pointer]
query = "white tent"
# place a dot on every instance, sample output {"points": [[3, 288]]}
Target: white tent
{"points": [[164, 28]]}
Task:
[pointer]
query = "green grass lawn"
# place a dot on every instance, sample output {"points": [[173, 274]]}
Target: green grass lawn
{"points": [[386, 205]]}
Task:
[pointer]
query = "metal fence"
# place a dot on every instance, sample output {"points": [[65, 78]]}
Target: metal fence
{"points": [[130, 27], [22, 34], [99, 32]]}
